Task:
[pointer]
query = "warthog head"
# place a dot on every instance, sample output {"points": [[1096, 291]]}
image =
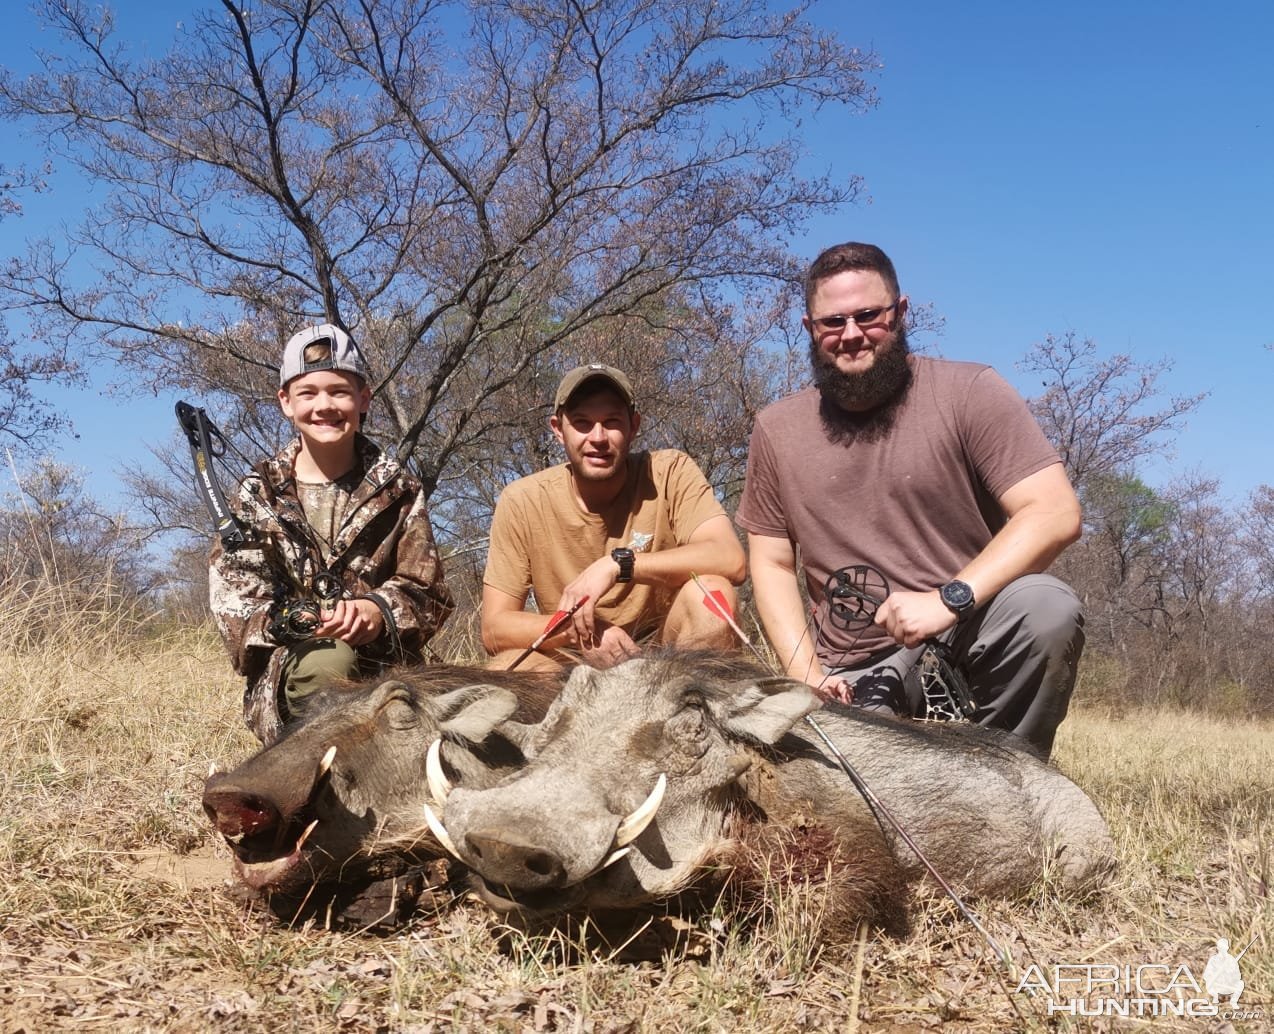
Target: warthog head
{"points": [[340, 796], [630, 779]]}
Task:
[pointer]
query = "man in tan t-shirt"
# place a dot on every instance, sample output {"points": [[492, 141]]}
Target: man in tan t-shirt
{"points": [[624, 529]]}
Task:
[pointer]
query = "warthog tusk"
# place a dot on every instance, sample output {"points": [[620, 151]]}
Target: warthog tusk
{"points": [[212, 769], [305, 835], [440, 833], [326, 763], [439, 784], [613, 857], [630, 829]]}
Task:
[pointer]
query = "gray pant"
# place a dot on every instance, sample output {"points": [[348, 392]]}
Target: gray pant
{"points": [[1020, 654]]}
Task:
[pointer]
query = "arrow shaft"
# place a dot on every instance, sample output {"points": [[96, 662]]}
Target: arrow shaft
{"points": [[555, 622]]}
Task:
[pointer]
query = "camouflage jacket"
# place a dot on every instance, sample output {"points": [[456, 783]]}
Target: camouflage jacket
{"points": [[384, 548]]}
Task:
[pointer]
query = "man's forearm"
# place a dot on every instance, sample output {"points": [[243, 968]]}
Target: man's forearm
{"points": [[671, 568], [782, 612], [1027, 544], [516, 630]]}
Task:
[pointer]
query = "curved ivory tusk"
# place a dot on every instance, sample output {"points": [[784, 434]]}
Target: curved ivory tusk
{"points": [[439, 784], [212, 769], [440, 833], [613, 857], [630, 829], [300, 843], [326, 763]]}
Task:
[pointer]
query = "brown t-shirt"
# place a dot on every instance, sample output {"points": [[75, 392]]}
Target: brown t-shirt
{"points": [[917, 503], [541, 539]]}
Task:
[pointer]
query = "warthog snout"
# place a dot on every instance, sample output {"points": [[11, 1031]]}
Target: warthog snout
{"points": [[237, 814], [508, 860]]}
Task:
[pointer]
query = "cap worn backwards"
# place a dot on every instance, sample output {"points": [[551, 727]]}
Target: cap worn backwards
{"points": [[341, 354]]}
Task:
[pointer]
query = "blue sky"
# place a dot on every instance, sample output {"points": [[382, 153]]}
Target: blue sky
{"points": [[1095, 167]]}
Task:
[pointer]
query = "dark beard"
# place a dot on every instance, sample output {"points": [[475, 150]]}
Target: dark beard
{"points": [[861, 406]]}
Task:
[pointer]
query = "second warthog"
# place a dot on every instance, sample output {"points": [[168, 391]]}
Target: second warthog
{"points": [[666, 773], [335, 806]]}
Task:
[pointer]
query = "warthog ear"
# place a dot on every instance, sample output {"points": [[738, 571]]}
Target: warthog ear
{"points": [[520, 734], [764, 711], [469, 713]]}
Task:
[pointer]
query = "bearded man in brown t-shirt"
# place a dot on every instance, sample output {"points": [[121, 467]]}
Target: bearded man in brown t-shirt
{"points": [[621, 530], [932, 474]]}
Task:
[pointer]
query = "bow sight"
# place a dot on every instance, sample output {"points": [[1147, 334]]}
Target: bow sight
{"points": [[293, 620], [854, 593]]}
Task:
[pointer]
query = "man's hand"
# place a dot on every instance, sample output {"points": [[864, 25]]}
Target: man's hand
{"points": [[597, 579], [610, 647], [353, 621], [832, 687], [912, 617]]}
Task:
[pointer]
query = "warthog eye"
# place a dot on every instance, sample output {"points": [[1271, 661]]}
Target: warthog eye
{"points": [[399, 713], [689, 728]]}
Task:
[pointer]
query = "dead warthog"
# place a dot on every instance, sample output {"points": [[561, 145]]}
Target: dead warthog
{"points": [[647, 779], [337, 802]]}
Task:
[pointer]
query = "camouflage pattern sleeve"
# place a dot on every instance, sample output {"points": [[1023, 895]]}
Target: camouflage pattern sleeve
{"points": [[416, 592], [241, 586]]}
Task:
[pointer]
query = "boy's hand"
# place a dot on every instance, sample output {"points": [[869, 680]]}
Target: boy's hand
{"points": [[353, 621]]}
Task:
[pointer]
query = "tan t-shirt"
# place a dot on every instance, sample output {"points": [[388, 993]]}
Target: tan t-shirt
{"points": [[916, 504], [541, 539]]}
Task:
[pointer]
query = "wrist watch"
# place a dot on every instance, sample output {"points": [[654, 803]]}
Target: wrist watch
{"points": [[958, 598], [624, 558]]}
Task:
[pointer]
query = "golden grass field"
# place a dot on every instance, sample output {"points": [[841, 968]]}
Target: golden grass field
{"points": [[117, 914]]}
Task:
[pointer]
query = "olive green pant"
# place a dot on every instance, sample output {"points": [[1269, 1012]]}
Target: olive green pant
{"points": [[314, 665]]}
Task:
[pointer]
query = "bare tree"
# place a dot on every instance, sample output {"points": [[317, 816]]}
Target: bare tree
{"points": [[1257, 540], [26, 420], [469, 188], [52, 529], [1103, 414]]}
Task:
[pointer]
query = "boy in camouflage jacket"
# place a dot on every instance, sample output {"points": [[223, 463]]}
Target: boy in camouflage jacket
{"points": [[340, 573]]}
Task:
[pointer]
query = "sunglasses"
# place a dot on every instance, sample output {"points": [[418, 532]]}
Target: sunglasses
{"points": [[862, 319]]}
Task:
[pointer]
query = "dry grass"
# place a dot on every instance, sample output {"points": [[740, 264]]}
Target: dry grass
{"points": [[117, 915]]}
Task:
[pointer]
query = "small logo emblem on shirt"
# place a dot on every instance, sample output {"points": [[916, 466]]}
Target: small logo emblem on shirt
{"points": [[639, 541]]}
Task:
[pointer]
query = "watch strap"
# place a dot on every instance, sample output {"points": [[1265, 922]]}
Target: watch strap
{"points": [[624, 558]]}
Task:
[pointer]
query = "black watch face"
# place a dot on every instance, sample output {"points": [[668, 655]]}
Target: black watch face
{"points": [[957, 595]]}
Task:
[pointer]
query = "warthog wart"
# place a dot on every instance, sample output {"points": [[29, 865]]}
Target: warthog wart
{"points": [[644, 780], [338, 801]]}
